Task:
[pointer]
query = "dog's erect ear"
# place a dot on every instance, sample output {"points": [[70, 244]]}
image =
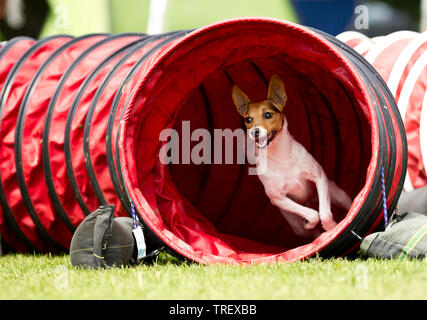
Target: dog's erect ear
{"points": [[276, 92], [241, 100]]}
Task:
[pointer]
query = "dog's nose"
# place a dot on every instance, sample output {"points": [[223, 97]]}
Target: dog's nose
{"points": [[255, 132]]}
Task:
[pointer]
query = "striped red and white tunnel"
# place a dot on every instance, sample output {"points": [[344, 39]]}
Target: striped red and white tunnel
{"points": [[401, 60]]}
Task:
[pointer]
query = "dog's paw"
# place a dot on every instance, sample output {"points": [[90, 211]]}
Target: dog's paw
{"points": [[328, 224], [309, 225]]}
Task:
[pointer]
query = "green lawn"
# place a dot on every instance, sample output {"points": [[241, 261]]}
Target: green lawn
{"points": [[46, 277]]}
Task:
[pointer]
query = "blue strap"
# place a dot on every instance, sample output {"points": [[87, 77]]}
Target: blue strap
{"points": [[384, 197], [135, 224]]}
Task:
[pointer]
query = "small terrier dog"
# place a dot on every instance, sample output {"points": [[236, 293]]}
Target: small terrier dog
{"points": [[291, 171]]}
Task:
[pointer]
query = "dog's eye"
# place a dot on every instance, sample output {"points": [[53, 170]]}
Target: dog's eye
{"points": [[268, 115], [248, 120]]}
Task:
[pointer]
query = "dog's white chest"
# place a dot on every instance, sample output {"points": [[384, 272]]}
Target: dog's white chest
{"points": [[278, 181]]}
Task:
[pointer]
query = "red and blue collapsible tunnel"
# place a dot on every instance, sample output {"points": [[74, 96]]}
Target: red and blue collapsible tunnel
{"points": [[80, 120]]}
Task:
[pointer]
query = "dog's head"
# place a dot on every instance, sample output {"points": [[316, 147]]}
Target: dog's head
{"points": [[264, 119]]}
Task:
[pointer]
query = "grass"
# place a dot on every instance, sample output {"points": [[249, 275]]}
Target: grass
{"points": [[48, 277]]}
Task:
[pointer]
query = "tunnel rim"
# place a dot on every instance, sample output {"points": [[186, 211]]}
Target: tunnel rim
{"points": [[124, 153]]}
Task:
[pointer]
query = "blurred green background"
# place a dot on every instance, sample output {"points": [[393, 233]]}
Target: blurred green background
{"points": [[40, 18], [132, 15]]}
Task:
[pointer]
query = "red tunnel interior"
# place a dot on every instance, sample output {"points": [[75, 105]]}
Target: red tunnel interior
{"points": [[233, 200]]}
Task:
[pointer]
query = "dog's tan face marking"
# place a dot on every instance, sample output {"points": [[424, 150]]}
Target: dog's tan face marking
{"points": [[263, 114], [263, 119]]}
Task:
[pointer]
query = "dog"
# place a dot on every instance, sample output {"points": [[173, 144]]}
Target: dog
{"points": [[291, 174]]}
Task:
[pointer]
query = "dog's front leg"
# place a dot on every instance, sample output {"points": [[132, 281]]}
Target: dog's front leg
{"points": [[311, 216], [297, 225], [326, 217]]}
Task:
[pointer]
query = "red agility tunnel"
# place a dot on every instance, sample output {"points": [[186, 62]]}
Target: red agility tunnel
{"points": [[81, 121]]}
